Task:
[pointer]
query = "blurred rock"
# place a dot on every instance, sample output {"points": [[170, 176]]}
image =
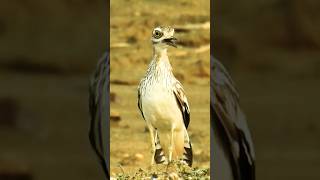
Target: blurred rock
{"points": [[113, 97], [126, 155], [139, 156], [115, 116], [128, 159], [154, 177], [179, 76], [122, 82], [132, 40]]}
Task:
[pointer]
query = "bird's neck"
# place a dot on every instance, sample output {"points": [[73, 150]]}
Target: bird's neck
{"points": [[159, 52], [160, 70], [161, 59]]}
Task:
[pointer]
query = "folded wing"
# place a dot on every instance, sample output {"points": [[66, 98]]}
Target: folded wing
{"points": [[231, 122]]}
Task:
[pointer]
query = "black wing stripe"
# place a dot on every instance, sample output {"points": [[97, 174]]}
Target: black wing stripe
{"points": [[140, 104], [184, 110], [227, 114]]}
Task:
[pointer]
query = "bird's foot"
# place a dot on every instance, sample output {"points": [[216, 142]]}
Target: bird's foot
{"points": [[169, 164]]}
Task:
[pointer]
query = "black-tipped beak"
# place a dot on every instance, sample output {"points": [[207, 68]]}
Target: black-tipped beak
{"points": [[171, 41]]}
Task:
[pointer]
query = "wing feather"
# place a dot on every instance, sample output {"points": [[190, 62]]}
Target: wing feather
{"points": [[182, 103], [140, 102], [229, 116]]}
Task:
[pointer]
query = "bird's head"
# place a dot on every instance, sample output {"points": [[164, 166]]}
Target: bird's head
{"points": [[162, 37]]}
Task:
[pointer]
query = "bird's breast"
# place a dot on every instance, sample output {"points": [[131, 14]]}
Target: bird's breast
{"points": [[160, 107]]}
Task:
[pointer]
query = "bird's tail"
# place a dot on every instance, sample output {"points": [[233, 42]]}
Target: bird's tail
{"points": [[187, 154]]}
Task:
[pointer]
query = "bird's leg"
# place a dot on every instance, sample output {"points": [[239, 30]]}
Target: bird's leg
{"points": [[187, 155], [153, 146], [171, 145], [159, 156]]}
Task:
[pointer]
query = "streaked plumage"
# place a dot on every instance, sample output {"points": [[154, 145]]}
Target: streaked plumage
{"points": [[163, 104], [233, 150]]}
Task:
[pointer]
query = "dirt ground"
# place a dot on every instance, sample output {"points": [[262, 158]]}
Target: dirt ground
{"points": [[131, 52]]}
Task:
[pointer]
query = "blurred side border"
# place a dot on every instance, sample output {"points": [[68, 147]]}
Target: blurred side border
{"points": [[99, 104]]}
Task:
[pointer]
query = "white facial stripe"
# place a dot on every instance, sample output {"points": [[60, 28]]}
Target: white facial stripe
{"points": [[159, 29]]}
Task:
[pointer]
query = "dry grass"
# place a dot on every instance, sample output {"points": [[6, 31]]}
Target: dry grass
{"points": [[175, 170]]}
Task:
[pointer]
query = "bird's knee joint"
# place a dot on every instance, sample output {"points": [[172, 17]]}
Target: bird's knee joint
{"points": [[153, 151], [170, 148]]}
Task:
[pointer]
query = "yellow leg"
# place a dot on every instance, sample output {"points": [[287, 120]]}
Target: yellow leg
{"points": [[153, 146], [171, 145]]}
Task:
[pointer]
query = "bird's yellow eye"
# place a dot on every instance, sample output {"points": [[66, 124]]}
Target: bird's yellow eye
{"points": [[157, 34]]}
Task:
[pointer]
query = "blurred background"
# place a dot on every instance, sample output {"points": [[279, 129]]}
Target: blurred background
{"points": [[48, 50], [271, 49], [131, 26]]}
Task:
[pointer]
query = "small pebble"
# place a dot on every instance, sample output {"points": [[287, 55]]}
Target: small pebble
{"points": [[115, 116], [139, 156], [126, 155]]}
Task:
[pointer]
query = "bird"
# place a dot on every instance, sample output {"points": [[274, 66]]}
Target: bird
{"points": [[232, 146], [163, 104]]}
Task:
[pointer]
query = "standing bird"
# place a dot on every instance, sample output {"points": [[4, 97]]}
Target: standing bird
{"points": [[163, 103], [233, 152]]}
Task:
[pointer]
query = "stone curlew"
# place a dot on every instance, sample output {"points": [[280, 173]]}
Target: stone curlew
{"points": [[163, 104]]}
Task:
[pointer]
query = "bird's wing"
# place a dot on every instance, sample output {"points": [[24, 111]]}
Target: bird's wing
{"points": [[99, 112], [139, 101], [230, 117], [182, 103]]}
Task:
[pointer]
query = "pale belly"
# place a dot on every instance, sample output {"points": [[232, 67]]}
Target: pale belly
{"points": [[160, 108], [161, 111]]}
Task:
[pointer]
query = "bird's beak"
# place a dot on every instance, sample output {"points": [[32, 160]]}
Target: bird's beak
{"points": [[172, 41]]}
